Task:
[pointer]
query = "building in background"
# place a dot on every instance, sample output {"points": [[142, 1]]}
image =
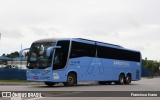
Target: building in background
{"points": [[13, 62]]}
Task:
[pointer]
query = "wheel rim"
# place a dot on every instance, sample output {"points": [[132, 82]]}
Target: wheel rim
{"points": [[128, 79], [70, 80], [121, 80]]}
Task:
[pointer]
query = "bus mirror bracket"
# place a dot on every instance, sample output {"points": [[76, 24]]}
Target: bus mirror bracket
{"points": [[48, 53], [20, 53]]}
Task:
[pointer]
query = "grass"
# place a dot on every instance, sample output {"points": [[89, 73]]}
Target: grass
{"points": [[13, 80]]}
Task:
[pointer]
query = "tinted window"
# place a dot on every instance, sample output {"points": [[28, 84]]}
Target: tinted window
{"points": [[61, 55], [82, 49], [119, 54]]}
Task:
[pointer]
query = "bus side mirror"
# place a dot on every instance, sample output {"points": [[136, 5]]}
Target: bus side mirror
{"points": [[48, 53], [20, 53]]}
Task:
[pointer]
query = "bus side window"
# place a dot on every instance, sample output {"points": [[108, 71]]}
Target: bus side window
{"points": [[82, 49]]}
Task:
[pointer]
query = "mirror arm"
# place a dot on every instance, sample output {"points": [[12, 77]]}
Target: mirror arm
{"points": [[20, 53], [49, 50]]}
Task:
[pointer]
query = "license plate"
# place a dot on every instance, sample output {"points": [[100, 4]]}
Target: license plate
{"points": [[35, 77]]}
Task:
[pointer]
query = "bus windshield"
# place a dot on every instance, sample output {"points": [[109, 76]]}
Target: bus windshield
{"points": [[37, 58]]}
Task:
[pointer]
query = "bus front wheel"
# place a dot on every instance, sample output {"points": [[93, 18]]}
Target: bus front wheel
{"points": [[71, 80], [50, 84]]}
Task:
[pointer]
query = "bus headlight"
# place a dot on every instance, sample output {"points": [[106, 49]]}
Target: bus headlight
{"points": [[45, 72]]}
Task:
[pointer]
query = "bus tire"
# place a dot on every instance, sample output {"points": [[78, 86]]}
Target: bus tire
{"points": [[121, 80], [128, 79], [71, 80], [50, 84]]}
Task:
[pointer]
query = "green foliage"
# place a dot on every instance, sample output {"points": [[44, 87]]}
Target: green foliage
{"points": [[4, 54], [151, 65], [15, 54], [12, 55]]}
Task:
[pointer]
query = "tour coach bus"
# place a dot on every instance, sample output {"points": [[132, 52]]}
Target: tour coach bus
{"points": [[69, 61]]}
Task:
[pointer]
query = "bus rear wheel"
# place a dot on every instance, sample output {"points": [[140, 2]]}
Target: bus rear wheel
{"points": [[121, 80], [50, 84], [128, 79], [71, 80]]}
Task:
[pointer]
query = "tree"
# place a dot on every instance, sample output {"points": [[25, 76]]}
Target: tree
{"points": [[13, 55], [4, 54], [151, 65]]}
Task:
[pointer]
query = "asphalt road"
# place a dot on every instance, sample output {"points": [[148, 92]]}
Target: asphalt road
{"points": [[97, 91]]}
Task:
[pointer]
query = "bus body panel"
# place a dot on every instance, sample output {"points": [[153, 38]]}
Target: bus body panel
{"points": [[89, 70]]}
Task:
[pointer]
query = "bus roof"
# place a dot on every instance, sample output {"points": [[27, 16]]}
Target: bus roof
{"points": [[105, 44], [46, 40], [99, 42], [83, 40], [78, 39]]}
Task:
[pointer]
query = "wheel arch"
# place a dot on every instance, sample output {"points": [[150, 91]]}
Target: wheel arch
{"points": [[129, 74], [74, 72], [122, 73]]}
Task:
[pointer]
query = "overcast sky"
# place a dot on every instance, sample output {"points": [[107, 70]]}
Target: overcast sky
{"points": [[133, 24]]}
